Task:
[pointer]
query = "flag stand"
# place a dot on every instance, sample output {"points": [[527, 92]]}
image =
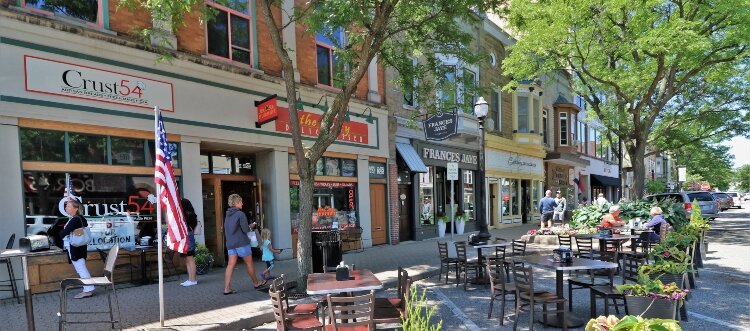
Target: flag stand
{"points": [[159, 239]]}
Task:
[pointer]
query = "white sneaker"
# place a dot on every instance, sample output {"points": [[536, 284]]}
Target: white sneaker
{"points": [[189, 283]]}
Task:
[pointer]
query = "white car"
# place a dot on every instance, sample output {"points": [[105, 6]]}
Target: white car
{"points": [[39, 224], [736, 198]]}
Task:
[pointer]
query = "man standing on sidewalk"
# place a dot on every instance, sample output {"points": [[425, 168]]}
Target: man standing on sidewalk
{"points": [[559, 214], [547, 208]]}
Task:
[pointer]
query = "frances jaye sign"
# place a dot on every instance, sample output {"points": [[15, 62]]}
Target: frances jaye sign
{"points": [[440, 127]]}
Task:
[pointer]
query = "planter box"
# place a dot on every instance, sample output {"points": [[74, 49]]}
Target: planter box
{"points": [[650, 307]]}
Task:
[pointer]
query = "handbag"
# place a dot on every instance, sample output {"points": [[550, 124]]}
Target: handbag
{"points": [[80, 237]]}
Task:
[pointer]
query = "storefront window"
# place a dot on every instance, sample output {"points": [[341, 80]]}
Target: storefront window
{"points": [[333, 204], [535, 196], [514, 200], [243, 165], [320, 167], [115, 205], [221, 164], [506, 197], [204, 164], [87, 148], [332, 166], [426, 197], [128, 151], [468, 194], [151, 154], [42, 145], [348, 168]]}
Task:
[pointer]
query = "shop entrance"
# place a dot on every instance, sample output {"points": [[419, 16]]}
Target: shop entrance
{"points": [[377, 213], [526, 207], [216, 191], [405, 218]]}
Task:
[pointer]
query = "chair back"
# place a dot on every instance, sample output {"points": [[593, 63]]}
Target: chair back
{"points": [[630, 265], [443, 249], [403, 284], [278, 284], [346, 312], [279, 308], [109, 264], [461, 250], [524, 279], [565, 240], [585, 247], [11, 241], [496, 274], [612, 245], [519, 248]]}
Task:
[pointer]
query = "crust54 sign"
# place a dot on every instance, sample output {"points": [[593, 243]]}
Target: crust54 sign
{"points": [[82, 82]]}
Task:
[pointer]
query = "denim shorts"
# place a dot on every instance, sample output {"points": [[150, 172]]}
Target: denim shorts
{"points": [[241, 251]]}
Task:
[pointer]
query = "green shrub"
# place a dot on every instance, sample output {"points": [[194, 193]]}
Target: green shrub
{"points": [[588, 216], [418, 316]]}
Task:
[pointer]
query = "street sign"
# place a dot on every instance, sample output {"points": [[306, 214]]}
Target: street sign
{"points": [[705, 187], [452, 170], [681, 174]]}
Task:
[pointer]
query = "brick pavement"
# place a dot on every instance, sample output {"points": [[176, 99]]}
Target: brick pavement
{"points": [[203, 307]]}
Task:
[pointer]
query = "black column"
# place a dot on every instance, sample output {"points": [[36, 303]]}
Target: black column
{"points": [[484, 234]]}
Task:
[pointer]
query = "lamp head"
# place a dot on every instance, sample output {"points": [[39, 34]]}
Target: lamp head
{"points": [[481, 108], [370, 119], [298, 103]]}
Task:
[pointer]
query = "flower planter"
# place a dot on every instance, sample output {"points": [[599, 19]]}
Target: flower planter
{"points": [[647, 307], [202, 269], [678, 279], [460, 224], [441, 229]]}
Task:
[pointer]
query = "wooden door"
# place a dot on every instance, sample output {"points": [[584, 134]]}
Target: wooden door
{"points": [[377, 214], [213, 220], [405, 217]]}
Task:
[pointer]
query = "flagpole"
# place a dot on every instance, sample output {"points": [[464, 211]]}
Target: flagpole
{"points": [[158, 225]]}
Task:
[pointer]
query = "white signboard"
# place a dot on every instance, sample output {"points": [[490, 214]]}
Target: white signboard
{"points": [[452, 170], [109, 230], [82, 82], [682, 174]]}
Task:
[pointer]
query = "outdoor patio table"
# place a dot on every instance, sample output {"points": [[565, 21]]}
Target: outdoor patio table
{"points": [[489, 244], [326, 283], [8, 253], [603, 239], [547, 262]]}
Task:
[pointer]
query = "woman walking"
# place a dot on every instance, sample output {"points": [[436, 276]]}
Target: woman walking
{"points": [[237, 243], [77, 255]]}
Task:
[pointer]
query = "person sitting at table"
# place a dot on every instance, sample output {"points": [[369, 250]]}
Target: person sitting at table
{"points": [[612, 220], [655, 223]]}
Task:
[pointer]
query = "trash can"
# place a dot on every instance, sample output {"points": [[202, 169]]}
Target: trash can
{"points": [[326, 249]]}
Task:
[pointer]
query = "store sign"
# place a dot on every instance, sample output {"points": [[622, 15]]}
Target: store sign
{"points": [[267, 110], [506, 161], [325, 184], [448, 155], [452, 171], [377, 170], [82, 82], [309, 123], [440, 127]]}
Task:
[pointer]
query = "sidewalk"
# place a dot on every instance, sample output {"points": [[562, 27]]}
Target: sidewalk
{"points": [[204, 307]]}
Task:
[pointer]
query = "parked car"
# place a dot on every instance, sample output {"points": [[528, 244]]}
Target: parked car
{"points": [[725, 201], [736, 199], [708, 205], [39, 224]]}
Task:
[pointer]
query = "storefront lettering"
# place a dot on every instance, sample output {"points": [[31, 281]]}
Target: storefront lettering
{"points": [[443, 155], [519, 162], [440, 127], [309, 125]]}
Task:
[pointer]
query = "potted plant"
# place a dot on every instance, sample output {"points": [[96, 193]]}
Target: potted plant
{"points": [[651, 298], [460, 219], [204, 260], [441, 220], [667, 271], [611, 322]]}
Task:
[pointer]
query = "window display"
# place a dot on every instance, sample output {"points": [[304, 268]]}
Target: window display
{"points": [[468, 193], [333, 204], [427, 212]]}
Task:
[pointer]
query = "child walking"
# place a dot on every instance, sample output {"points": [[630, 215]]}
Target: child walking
{"points": [[268, 251]]}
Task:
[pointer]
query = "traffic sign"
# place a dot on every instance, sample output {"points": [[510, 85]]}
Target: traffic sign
{"points": [[452, 170]]}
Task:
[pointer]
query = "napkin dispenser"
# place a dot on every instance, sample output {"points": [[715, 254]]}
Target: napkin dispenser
{"points": [[605, 233], [563, 254], [342, 272], [34, 243]]}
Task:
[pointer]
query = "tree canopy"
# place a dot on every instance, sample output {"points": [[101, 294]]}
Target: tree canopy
{"points": [[742, 178], [650, 70], [711, 162]]}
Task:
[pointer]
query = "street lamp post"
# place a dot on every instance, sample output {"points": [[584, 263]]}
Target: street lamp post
{"points": [[480, 110]]}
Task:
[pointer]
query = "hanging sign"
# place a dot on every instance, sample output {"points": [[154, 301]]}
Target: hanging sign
{"points": [[309, 125], [267, 110], [440, 127]]}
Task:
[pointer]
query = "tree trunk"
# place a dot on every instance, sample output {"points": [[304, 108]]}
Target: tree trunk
{"points": [[637, 154], [304, 229]]}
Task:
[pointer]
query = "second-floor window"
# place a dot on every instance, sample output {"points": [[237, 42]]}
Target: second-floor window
{"points": [[228, 32], [523, 114], [329, 68], [563, 129], [544, 127], [496, 113], [88, 11], [457, 87], [410, 90]]}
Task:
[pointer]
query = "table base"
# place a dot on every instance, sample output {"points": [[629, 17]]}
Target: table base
{"points": [[573, 321]]}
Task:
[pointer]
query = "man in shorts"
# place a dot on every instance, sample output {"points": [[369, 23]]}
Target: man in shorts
{"points": [[559, 214], [547, 208]]}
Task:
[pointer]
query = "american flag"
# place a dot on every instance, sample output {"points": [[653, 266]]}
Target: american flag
{"points": [[70, 192], [169, 197]]}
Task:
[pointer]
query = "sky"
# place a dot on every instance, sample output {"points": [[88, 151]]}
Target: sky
{"points": [[740, 148]]}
